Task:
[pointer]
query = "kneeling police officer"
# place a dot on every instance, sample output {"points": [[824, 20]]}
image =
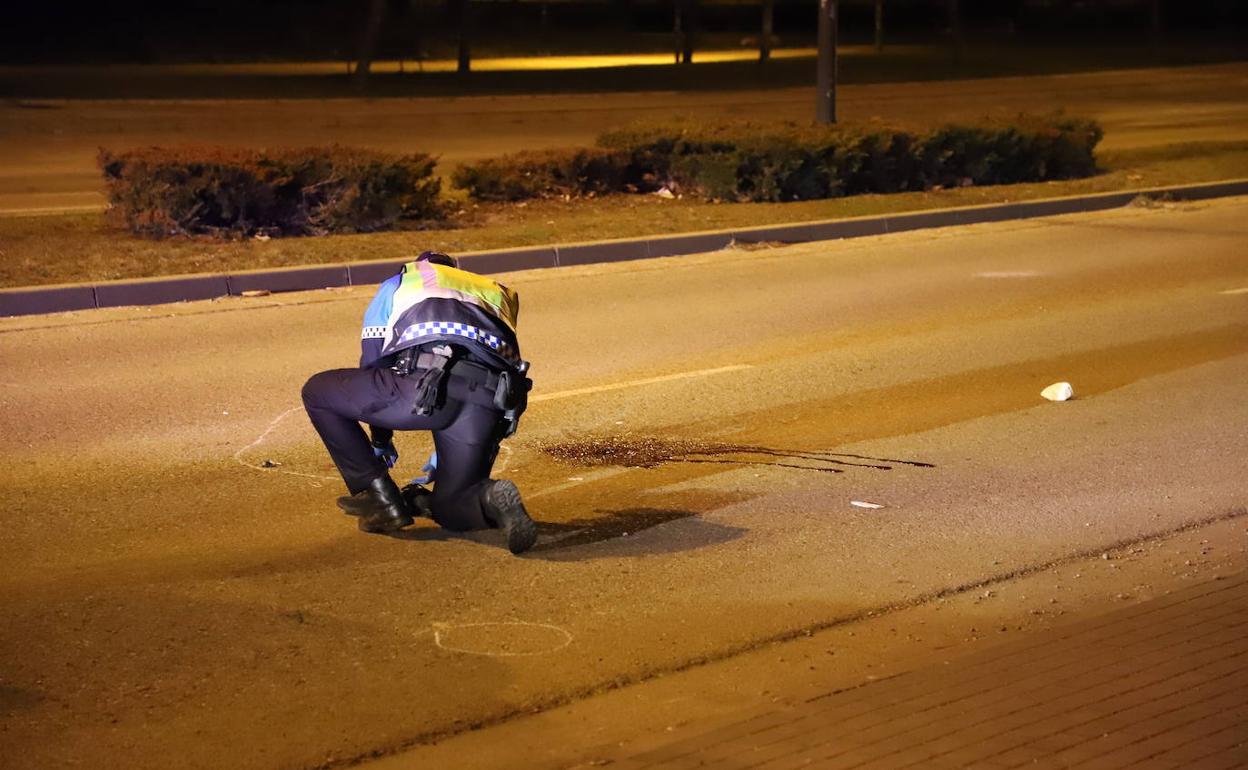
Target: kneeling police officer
{"points": [[439, 353]]}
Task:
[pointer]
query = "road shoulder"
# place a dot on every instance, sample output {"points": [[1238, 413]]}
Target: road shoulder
{"points": [[710, 707]]}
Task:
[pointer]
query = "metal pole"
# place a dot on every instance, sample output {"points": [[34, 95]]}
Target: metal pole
{"points": [[879, 25], [677, 30], [825, 78], [764, 39], [1155, 24], [955, 30], [465, 36], [368, 41], [688, 10]]}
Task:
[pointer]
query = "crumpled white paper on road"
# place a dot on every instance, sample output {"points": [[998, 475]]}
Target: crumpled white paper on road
{"points": [[1059, 391]]}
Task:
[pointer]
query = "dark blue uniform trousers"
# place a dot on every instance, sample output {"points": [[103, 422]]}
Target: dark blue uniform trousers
{"points": [[465, 434]]}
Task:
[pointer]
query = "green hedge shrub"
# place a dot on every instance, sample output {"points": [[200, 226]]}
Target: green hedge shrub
{"points": [[543, 174], [222, 191], [803, 162], [786, 162]]}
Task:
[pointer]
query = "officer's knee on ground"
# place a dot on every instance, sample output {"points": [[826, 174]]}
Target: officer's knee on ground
{"points": [[459, 510]]}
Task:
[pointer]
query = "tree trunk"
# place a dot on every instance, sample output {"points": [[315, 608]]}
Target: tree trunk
{"points": [[678, 31], [955, 30], [685, 26], [764, 39], [368, 40], [1155, 23], [463, 12], [825, 77], [879, 25]]}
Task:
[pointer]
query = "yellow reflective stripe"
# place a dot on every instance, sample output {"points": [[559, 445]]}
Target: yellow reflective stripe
{"points": [[451, 283]]}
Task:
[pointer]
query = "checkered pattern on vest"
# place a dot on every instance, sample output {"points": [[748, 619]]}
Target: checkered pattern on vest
{"points": [[443, 328]]}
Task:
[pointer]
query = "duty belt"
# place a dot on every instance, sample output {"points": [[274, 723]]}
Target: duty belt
{"points": [[506, 391], [475, 383]]}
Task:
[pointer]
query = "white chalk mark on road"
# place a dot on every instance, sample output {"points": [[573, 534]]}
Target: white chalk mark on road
{"points": [[1009, 274], [238, 456], [1244, 290], [558, 638], [636, 383], [506, 452]]}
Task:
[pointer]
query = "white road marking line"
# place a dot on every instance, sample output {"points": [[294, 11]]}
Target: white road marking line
{"points": [[636, 383], [591, 476], [503, 448], [1235, 291], [609, 472], [1009, 274]]}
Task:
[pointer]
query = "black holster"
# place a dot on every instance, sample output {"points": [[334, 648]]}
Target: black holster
{"points": [[431, 385], [512, 396]]}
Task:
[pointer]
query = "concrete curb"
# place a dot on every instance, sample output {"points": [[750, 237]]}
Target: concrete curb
{"points": [[152, 291]]}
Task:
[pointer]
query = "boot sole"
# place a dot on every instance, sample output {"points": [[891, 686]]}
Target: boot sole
{"points": [[390, 525], [520, 529]]}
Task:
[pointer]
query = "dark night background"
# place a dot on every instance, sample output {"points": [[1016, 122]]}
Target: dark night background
{"points": [[152, 31]]}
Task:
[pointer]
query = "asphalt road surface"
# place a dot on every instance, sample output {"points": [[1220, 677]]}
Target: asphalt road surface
{"points": [[48, 148], [178, 588]]}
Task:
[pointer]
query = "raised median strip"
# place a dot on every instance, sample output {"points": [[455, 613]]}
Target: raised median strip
{"points": [[152, 291]]}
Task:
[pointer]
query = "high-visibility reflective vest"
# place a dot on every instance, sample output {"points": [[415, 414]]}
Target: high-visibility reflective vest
{"points": [[427, 302]]}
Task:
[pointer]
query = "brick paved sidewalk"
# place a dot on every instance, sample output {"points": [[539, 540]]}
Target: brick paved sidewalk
{"points": [[1161, 684]]}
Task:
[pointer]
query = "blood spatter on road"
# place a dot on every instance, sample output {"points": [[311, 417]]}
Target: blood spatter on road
{"points": [[651, 451]]}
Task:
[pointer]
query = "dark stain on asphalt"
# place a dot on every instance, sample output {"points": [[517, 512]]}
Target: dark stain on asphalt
{"points": [[14, 698], [651, 452], [608, 525], [618, 531], [561, 540]]}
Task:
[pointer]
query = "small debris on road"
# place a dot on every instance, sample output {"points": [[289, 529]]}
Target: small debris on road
{"points": [[256, 293], [864, 504], [269, 464], [1059, 391]]}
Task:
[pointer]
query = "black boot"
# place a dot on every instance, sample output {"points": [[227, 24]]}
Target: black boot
{"points": [[500, 501], [380, 506], [417, 498]]}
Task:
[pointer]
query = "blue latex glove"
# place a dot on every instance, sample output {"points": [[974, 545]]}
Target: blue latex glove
{"points": [[388, 454], [430, 466]]}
